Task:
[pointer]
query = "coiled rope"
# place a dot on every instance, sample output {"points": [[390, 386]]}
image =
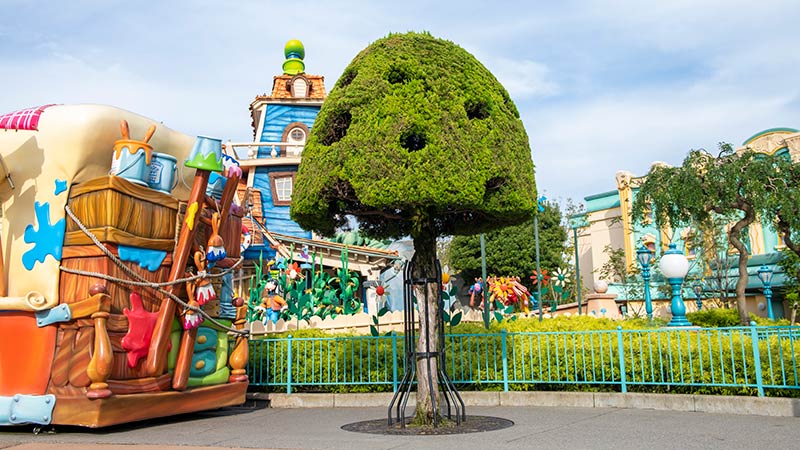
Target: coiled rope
{"points": [[142, 282]]}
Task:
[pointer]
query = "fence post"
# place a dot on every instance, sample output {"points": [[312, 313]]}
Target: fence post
{"points": [[289, 364], [504, 335], [757, 359], [621, 353], [394, 361]]}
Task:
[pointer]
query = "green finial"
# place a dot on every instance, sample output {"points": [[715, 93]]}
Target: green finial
{"points": [[294, 53]]}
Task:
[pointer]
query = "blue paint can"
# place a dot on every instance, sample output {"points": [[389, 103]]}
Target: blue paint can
{"points": [[162, 173], [131, 160], [216, 183]]}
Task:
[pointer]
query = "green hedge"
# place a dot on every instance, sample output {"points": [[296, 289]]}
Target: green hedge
{"points": [[557, 354], [722, 317]]}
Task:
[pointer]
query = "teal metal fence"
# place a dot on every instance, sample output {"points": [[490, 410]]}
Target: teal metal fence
{"points": [[758, 358]]}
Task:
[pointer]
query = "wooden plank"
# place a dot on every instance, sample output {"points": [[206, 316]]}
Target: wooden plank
{"points": [[139, 385], [88, 251], [117, 236], [124, 186], [118, 409], [131, 209], [73, 287]]}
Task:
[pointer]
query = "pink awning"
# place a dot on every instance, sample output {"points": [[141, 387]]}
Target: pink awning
{"points": [[26, 119]]}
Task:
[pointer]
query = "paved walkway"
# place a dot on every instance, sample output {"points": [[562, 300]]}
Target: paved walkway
{"points": [[319, 428]]}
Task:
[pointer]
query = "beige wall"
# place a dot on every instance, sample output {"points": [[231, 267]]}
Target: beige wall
{"points": [[604, 229]]}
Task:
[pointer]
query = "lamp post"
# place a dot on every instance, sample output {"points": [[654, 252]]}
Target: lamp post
{"points": [[698, 292], [765, 275], [539, 209], [644, 256], [484, 298], [675, 266]]}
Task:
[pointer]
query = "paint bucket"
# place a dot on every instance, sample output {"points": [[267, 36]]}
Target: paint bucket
{"points": [[131, 160], [216, 183], [206, 154], [162, 173]]}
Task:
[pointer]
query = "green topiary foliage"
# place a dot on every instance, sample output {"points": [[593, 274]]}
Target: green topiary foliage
{"points": [[415, 134]]}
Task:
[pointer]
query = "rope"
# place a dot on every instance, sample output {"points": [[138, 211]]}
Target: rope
{"points": [[142, 282]]}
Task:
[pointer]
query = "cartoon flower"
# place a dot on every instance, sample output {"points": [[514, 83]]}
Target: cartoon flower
{"points": [[293, 271], [543, 276], [561, 277]]}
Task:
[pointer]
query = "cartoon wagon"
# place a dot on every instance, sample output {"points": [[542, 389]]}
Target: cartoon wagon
{"points": [[104, 214]]}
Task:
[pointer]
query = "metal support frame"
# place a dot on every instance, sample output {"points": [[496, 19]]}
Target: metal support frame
{"points": [[453, 401]]}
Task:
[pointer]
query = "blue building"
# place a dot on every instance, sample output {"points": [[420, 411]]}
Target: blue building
{"points": [[281, 123]]}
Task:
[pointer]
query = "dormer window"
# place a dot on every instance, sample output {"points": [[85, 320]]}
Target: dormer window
{"points": [[299, 86]]}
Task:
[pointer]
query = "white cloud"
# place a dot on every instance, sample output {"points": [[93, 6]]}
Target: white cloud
{"points": [[523, 78], [577, 148]]}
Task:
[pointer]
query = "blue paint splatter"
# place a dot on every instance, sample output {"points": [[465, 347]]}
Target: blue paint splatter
{"points": [[146, 258], [61, 186], [47, 240]]}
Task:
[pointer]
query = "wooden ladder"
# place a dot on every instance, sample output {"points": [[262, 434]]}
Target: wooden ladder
{"points": [[156, 363]]}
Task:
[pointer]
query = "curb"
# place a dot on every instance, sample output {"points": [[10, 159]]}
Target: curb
{"points": [[717, 404]]}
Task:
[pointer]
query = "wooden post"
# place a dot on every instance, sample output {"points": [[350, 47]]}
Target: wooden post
{"points": [[157, 353], [240, 353], [100, 365], [184, 362]]}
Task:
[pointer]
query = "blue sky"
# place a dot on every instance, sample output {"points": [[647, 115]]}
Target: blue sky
{"points": [[601, 85]]}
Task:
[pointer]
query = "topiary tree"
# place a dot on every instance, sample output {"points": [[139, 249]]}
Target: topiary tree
{"points": [[416, 138]]}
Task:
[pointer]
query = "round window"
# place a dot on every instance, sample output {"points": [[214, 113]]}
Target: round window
{"points": [[298, 134]]}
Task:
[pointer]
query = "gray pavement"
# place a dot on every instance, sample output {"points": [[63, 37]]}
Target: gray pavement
{"points": [[535, 428]]}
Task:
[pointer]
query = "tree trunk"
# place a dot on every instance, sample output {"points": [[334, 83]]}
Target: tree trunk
{"points": [[786, 231], [424, 236], [741, 283]]}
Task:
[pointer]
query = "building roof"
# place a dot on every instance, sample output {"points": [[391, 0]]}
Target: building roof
{"points": [[281, 88]]}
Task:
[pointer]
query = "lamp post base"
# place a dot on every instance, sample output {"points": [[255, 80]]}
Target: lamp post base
{"points": [[679, 322], [677, 307]]}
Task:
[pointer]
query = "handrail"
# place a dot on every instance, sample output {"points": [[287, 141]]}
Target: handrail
{"points": [[755, 358]]}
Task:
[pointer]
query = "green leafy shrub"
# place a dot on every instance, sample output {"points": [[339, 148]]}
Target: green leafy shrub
{"points": [[564, 353], [714, 317]]}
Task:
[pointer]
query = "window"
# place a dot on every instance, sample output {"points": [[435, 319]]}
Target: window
{"points": [[282, 184], [299, 87], [283, 189], [295, 135]]}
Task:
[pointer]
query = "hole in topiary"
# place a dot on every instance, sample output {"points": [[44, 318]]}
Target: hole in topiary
{"points": [[398, 75], [340, 122], [494, 184], [413, 139], [347, 77], [476, 109]]}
